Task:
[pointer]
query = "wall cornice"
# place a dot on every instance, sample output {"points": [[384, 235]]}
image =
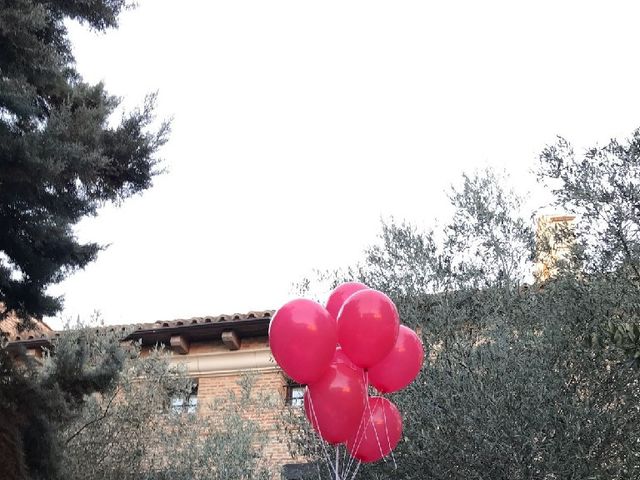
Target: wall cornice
{"points": [[226, 363]]}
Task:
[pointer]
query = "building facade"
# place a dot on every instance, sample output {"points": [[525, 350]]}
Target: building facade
{"points": [[216, 351]]}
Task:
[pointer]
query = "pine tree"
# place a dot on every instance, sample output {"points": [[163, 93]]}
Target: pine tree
{"points": [[61, 158]]}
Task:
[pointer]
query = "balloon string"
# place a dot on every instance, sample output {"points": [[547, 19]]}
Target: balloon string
{"points": [[358, 440], [360, 423], [386, 430], [375, 431], [356, 470], [327, 458], [337, 469], [355, 448], [363, 423], [366, 377], [360, 434], [324, 447]]}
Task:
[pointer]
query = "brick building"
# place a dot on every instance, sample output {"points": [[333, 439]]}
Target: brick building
{"points": [[216, 351]]}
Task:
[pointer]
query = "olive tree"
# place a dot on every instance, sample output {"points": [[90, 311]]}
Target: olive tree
{"points": [[131, 431], [602, 187], [105, 411], [513, 385]]}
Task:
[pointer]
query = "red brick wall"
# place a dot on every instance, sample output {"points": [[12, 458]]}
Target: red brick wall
{"points": [[268, 394]]}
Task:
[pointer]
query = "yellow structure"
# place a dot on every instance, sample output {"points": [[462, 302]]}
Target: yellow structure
{"points": [[555, 237]]}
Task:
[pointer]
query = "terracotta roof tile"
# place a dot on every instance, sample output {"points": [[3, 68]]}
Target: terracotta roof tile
{"points": [[10, 328], [235, 317], [48, 333]]}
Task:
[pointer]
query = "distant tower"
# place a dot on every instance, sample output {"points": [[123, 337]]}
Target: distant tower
{"points": [[555, 236]]}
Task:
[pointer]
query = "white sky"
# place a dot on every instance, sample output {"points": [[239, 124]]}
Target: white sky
{"points": [[298, 124]]}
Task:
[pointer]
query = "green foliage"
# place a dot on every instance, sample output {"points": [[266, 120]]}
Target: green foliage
{"points": [[519, 381], [602, 187], [60, 155], [98, 409], [35, 401], [508, 392], [131, 432], [488, 242]]}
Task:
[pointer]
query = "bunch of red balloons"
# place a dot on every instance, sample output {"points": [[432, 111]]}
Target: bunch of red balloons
{"points": [[338, 351]]}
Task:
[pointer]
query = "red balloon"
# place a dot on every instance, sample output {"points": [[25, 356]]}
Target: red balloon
{"points": [[341, 294], [335, 403], [399, 368], [378, 433], [368, 327], [302, 337]]}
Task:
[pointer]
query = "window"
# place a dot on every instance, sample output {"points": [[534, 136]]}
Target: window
{"points": [[294, 395], [185, 403]]}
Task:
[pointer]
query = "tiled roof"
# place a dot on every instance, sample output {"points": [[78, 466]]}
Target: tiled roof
{"points": [[224, 318], [157, 328], [10, 329], [251, 324]]}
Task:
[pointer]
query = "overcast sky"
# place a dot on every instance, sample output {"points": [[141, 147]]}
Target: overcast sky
{"points": [[298, 124]]}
